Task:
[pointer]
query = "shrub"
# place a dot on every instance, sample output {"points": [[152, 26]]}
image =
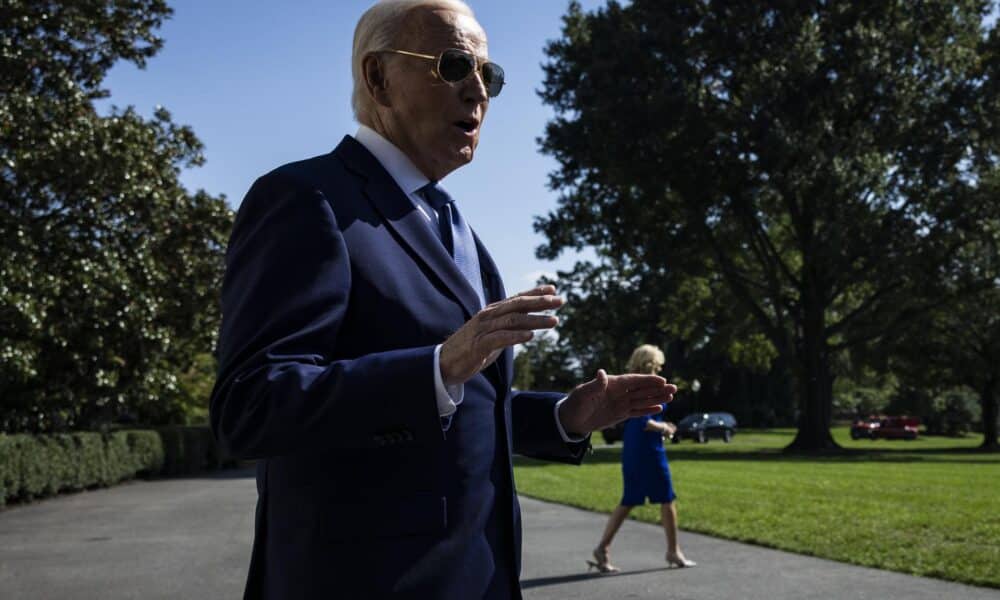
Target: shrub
{"points": [[191, 449], [44, 465]]}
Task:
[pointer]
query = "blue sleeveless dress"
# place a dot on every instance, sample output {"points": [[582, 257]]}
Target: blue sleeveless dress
{"points": [[644, 465]]}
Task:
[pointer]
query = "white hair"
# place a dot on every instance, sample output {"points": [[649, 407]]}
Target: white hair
{"points": [[379, 29]]}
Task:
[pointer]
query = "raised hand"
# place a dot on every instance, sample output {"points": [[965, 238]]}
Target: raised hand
{"points": [[483, 337], [609, 399]]}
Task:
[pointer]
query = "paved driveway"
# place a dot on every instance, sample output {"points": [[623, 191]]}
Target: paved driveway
{"points": [[190, 539]]}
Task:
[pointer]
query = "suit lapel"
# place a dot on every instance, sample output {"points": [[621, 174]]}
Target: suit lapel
{"points": [[493, 287], [403, 218], [492, 282]]}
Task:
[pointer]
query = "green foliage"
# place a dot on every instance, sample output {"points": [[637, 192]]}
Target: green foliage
{"points": [[545, 365], [864, 393], [807, 164], [190, 450], [949, 412], [195, 389], [38, 466], [958, 344], [108, 266]]}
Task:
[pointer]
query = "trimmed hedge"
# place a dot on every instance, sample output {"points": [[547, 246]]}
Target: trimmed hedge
{"points": [[35, 466], [191, 449]]}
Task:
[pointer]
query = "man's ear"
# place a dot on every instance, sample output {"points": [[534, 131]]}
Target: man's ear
{"points": [[376, 80]]}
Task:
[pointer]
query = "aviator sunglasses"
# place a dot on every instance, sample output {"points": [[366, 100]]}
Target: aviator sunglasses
{"points": [[453, 66]]}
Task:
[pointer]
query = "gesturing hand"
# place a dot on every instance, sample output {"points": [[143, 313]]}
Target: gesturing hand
{"points": [[483, 337], [608, 399]]}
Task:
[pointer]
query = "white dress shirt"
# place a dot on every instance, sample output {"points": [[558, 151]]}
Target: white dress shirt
{"points": [[409, 179]]}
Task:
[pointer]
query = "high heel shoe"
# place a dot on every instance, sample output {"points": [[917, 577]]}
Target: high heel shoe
{"points": [[602, 564], [679, 561]]}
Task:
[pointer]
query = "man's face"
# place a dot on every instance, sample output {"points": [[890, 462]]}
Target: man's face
{"points": [[435, 123]]}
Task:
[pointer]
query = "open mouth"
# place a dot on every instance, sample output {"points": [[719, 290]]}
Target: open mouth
{"points": [[468, 125]]}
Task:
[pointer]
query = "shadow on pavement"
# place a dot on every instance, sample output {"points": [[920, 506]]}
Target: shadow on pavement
{"points": [[560, 579], [244, 472]]}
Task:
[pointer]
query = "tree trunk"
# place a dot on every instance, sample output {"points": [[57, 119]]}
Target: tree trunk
{"points": [[988, 399], [815, 389]]}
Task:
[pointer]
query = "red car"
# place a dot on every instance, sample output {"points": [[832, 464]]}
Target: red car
{"points": [[889, 428]]}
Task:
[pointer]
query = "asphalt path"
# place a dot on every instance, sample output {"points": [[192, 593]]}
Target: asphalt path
{"points": [[190, 538]]}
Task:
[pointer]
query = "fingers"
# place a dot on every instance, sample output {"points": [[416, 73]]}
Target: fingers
{"points": [[521, 304], [646, 400], [645, 411], [498, 326], [634, 381], [497, 340], [519, 321], [539, 290]]}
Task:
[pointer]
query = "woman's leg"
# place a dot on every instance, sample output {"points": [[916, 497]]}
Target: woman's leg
{"points": [[668, 512], [603, 562], [614, 523]]}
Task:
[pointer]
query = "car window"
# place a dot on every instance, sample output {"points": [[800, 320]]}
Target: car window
{"points": [[725, 418], [688, 420]]}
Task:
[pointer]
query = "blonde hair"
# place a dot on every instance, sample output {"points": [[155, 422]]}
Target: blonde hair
{"points": [[643, 358], [379, 29]]}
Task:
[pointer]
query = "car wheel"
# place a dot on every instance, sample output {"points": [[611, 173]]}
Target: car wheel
{"points": [[727, 436], [855, 435], [609, 438]]}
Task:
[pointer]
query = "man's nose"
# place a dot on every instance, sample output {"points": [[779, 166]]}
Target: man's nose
{"points": [[474, 88]]}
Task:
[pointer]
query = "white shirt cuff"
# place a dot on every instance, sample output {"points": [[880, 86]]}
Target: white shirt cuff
{"points": [[448, 396], [562, 432]]}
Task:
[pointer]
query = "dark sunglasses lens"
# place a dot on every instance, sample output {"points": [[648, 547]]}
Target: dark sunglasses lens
{"points": [[455, 66], [493, 78]]}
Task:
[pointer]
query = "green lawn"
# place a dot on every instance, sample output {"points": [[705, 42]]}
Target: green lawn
{"points": [[928, 507]]}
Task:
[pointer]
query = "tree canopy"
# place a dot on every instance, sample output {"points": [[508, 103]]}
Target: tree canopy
{"points": [[817, 161], [109, 267]]}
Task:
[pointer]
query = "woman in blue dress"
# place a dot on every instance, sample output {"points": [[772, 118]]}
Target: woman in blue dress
{"points": [[645, 471]]}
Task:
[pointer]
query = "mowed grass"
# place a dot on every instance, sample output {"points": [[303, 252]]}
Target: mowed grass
{"points": [[927, 507]]}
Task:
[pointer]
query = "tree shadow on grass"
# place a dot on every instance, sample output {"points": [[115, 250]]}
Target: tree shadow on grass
{"points": [[612, 455]]}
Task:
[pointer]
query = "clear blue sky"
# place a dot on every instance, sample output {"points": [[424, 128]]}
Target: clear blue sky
{"points": [[264, 83]]}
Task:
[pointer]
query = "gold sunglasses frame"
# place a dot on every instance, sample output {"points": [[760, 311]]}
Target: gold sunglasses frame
{"points": [[437, 63]]}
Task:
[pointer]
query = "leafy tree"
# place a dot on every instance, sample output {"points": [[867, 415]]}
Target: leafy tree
{"points": [[959, 345], [612, 308], [943, 410], [819, 158], [863, 392], [545, 364], [108, 266]]}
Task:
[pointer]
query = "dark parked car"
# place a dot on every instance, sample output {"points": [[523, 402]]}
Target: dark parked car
{"points": [[614, 433], [701, 426]]}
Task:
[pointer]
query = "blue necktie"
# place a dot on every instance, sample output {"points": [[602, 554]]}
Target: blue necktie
{"points": [[456, 236]]}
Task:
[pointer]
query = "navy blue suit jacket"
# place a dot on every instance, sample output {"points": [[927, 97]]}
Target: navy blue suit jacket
{"points": [[335, 295]]}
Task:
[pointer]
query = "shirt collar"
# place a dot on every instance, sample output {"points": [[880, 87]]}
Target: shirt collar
{"points": [[402, 170]]}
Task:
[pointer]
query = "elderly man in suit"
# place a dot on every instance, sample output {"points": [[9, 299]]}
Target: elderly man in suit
{"points": [[365, 350]]}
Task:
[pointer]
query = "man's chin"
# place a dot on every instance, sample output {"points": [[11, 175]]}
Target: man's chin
{"points": [[460, 159]]}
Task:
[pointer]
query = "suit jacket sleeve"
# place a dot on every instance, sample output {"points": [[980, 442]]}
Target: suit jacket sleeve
{"points": [[284, 385], [534, 429]]}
